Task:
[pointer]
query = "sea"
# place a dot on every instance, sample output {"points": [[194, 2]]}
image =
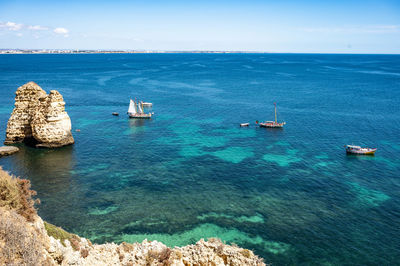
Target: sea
{"points": [[291, 195]]}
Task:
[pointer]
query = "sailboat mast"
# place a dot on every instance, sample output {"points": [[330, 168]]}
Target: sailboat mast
{"points": [[275, 112]]}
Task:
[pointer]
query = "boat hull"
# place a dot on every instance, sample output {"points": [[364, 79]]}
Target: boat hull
{"points": [[140, 116], [272, 125], [357, 150], [369, 152]]}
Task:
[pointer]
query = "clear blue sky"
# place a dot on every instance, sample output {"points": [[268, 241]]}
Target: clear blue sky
{"points": [[353, 26]]}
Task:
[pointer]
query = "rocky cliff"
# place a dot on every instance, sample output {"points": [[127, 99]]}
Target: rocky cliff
{"points": [[39, 118], [26, 240]]}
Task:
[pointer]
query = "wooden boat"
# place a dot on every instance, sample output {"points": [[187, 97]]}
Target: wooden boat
{"points": [[272, 124], [136, 111], [244, 124], [352, 149]]}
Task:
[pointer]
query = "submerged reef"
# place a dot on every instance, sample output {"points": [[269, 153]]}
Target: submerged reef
{"points": [[25, 239], [38, 118]]}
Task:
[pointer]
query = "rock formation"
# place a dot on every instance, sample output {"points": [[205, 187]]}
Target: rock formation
{"points": [[8, 150], [39, 118]]}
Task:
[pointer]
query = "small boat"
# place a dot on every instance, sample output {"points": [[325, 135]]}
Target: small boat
{"points": [[272, 124], [146, 104], [244, 124], [352, 149], [136, 111], [115, 113]]}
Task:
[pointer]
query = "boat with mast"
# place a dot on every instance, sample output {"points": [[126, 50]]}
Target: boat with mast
{"points": [[273, 124], [136, 110]]}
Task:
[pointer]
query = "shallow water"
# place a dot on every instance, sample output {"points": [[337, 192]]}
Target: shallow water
{"points": [[291, 195]]}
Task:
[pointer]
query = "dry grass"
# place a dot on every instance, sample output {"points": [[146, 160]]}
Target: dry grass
{"points": [[15, 194], [9, 192], [21, 246]]}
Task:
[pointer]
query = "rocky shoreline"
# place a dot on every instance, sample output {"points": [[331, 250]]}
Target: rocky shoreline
{"points": [[38, 245], [25, 239]]}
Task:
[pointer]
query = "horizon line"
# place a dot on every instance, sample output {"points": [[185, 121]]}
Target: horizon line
{"points": [[143, 51]]}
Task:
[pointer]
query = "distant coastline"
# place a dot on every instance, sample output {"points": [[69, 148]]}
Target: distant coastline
{"points": [[74, 51], [93, 51]]}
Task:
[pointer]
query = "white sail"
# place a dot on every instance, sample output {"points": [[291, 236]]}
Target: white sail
{"points": [[140, 110], [132, 109]]}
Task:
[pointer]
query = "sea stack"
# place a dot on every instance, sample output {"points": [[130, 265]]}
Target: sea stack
{"points": [[38, 118]]}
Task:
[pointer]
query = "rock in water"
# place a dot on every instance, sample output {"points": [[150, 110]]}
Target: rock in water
{"points": [[7, 150], [39, 118]]}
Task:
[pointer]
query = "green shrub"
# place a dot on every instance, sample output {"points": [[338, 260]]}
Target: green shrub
{"points": [[62, 235]]}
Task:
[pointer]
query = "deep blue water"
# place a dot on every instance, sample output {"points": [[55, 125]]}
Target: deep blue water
{"points": [[292, 195]]}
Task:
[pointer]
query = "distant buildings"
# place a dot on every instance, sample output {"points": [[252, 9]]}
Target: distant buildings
{"points": [[74, 51]]}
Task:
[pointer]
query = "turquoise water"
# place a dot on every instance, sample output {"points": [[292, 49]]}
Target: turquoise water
{"points": [[292, 195]]}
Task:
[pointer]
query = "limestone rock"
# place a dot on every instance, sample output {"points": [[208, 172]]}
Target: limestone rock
{"points": [[39, 118], [7, 150], [42, 249]]}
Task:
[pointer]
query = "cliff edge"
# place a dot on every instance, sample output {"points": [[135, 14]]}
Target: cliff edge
{"points": [[38, 118], [26, 240]]}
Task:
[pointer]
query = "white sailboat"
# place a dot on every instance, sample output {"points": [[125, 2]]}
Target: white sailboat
{"points": [[132, 107], [135, 110], [140, 109]]}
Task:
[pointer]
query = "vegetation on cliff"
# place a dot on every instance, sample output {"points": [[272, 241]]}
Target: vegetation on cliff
{"points": [[15, 194], [18, 243], [62, 235]]}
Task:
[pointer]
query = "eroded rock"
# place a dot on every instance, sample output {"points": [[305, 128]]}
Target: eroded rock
{"points": [[38, 118]]}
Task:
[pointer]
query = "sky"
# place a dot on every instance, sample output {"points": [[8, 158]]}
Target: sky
{"points": [[283, 26]]}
